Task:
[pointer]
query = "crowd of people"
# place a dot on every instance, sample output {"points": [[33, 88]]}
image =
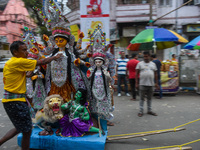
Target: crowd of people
{"points": [[144, 77]]}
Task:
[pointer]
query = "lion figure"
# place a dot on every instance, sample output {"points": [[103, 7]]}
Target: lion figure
{"points": [[51, 111]]}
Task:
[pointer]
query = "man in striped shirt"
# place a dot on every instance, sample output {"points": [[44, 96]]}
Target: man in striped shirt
{"points": [[121, 73]]}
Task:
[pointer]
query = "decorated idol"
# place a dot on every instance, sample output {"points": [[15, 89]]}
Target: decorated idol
{"points": [[63, 77], [99, 75], [78, 120], [34, 85]]}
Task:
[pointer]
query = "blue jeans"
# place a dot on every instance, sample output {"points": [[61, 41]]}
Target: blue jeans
{"points": [[120, 78], [160, 91]]}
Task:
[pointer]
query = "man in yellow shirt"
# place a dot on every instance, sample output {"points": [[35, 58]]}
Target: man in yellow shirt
{"points": [[14, 102]]}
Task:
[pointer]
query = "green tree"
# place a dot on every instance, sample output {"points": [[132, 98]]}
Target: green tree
{"points": [[30, 4]]}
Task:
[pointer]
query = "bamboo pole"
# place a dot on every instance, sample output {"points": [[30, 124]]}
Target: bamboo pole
{"points": [[141, 135], [177, 148], [172, 10]]}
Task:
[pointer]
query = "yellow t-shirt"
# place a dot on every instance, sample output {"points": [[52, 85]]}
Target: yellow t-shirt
{"points": [[14, 76]]}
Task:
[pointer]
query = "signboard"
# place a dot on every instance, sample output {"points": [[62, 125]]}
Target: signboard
{"points": [[193, 28], [94, 13], [75, 31], [151, 27], [169, 82], [114, 34]]}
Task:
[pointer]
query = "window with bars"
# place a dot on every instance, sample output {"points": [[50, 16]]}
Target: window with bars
{"points": [[190, 3], [196, 2], [165, 2], [73, 4], [133, 1], [2, 23]]}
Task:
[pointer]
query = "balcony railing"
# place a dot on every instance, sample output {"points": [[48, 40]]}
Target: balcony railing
{"points": [[133, 1]]}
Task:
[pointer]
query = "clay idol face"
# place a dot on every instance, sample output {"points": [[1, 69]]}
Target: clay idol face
{"points": [[98, 63], [78, 95], [60, 42]]}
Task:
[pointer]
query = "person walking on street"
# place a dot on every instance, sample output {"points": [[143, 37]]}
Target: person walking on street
{"points": [[147, 71], [158, 65], [131, 65], [121, 73], [14, 102]]}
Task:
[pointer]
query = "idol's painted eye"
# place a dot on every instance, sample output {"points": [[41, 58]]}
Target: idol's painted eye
{"points": [[56, 41], [61, 41]]}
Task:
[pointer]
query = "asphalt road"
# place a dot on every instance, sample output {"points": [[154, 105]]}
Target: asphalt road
{"points": [[172, 111]]}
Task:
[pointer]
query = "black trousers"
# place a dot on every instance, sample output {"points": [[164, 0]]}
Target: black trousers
{"points": [[132, 83]]}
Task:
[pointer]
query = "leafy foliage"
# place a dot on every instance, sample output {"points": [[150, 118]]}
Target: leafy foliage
{"points": [[29, 4]]}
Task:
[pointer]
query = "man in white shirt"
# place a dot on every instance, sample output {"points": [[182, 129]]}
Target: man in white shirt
{"points": [[121, 73], [147, 71]]}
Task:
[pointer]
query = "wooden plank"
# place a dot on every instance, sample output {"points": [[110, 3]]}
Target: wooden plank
{"points": [[141, 135]]}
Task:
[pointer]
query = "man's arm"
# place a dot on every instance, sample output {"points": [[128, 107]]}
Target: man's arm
{"points": [[48, 60], [116, 70], [156, 79], [137, 79], [43, 62], [127, 69]]}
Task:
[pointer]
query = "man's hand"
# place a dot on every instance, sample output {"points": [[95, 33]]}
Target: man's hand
{"points": [[157, 86], [29, 74], [58, 56], [137, 86]]}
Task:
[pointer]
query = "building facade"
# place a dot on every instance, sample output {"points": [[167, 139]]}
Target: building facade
{"points": [[13, 18], [129, 17]]}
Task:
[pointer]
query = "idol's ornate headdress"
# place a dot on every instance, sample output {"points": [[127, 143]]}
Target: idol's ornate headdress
{"points": [[98, 44], [99, 49], [54, 19], [28, 37], [34, 48]]}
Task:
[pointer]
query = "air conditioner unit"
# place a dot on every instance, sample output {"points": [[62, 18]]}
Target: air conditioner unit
{"points": [[197, 2]]}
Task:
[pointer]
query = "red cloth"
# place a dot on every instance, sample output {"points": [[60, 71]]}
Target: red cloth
{"points": [[131, 65]]}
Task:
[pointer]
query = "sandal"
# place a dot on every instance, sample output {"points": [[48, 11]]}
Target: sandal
{"points": [[140, 114], [152, 113]]}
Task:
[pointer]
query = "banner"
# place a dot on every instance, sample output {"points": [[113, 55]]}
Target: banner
{"points": [[75, 31], [94, 13], [169, 82]]}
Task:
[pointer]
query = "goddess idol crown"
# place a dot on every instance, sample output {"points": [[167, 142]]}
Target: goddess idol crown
{"points": [[97, 44], [98, 47], [54, 19]]}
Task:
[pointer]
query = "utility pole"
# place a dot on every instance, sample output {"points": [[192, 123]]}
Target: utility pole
{"points": [[176, 27], [150, 13]]}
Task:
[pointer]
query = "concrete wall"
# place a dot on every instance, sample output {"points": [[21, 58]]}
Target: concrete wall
{"points": [[5, 53]]}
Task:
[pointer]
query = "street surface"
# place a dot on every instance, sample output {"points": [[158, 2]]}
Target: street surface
{"points": [[172, 111]]}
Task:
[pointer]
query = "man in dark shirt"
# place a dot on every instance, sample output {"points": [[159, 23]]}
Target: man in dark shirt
{"points": [[158, 65]]}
